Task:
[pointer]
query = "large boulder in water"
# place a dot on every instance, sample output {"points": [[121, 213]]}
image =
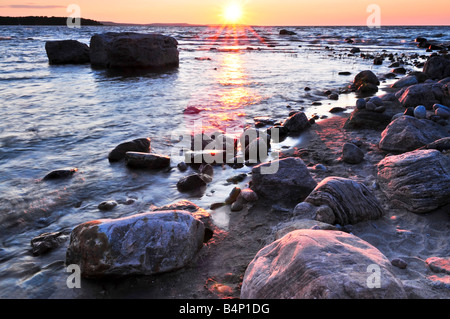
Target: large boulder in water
{"points": [[133, 50], [67, 52], [365, 83], [408, 133], [338, 200], [426, 94], [286, 179], [138, 145], [418, 181], [437, 67], [142, 244], [320, 264]]}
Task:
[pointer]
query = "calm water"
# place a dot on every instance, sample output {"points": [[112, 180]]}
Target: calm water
{"points": [[72, 116]]}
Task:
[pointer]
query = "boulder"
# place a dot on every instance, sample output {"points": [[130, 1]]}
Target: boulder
{"points": [[297, 122], [426, 94], [365, 83], [133, 50], [67, 52], [46, 242], [296, 224], [418, 181], [60, 173], [320, 264], [191, 183], [352, 154], [138, 145], [406, 81], [366, 119], [338, 200], [408, 133], [437, 67], [287, 32], [146, 160], [142, 244], [286, 179]]}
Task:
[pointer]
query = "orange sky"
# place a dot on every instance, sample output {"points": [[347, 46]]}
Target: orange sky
{"points": [[256, 12]]}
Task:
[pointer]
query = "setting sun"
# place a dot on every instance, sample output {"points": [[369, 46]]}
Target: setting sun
{"points": [[232, 13]]}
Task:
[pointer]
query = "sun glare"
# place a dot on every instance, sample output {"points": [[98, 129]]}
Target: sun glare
{"points": [[232, 13]]}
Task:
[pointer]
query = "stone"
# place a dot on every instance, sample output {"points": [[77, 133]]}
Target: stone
{"points": [[305, 210], [190, 183], [107, 205], [297, 123], [333, 96], [440, 106], [47, 241], [370, 106], [409, 133], [143, 244], [336, 109], [238, 205], [319, 264], [437, 67], [287, 227], [420, 112], [360, 103], [146, 160], [363, 77], [286, 179], [352, 154], [441, 112], [426, 94], [249, 195], [67, 52], [257, 150], [138, 145], [233, 196], [355, 50], [404, 82], [133, 50], [350, 202], [418, 181], [439, 264], [365, 119], [287, 32], [376, 100], [399, 263], [60, 173], [441, 145]]}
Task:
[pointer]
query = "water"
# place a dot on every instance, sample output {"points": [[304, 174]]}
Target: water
{"points": [[72, 116]]}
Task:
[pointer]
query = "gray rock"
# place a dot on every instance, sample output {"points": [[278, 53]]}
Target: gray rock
{"points": [[287, 227], [439, 264], [142, 244], [376, 100], [249, 195], [67, 52], [146, 160], [441, 145], [286, 179], [365, 119], [437, 67], [437, 106], [442, 113], [370, 106], [138, 145], [133, 50], [60, 173], [352, 154], [399, 263], [319, 264], [297, 123], [418, 181], [425, 94], [233, 196], [350, 202], [405, 82], [408, 133], [191, 183], [420, 112], [46, 242], [360, 103], [365, 82], [305, 210]]}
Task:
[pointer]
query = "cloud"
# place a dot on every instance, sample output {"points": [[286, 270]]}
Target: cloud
{"points": [[31, 6]]}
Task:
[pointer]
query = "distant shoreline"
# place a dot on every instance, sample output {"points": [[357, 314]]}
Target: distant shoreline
{"points": [[38, 20]]}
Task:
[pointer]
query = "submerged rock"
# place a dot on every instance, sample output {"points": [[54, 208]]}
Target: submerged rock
{"points": [[133, 50], [191, 183], [67, 52], [107, 205], [320, 264], [146, 160], [46, 242], [338, 200], [285, 179], [142, 244], [138, 145], [418, 181], [60, 173]]}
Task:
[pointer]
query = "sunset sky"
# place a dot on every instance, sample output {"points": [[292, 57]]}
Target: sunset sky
{"points": [[254, 12]]}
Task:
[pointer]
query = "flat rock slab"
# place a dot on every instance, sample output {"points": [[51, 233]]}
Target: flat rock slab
{"points": [[146, 160], [320, 264], [418, 181], [138, 145], [142, 244]]}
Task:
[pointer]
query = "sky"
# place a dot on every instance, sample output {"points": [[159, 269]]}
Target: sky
{"points": [[254, 12]]}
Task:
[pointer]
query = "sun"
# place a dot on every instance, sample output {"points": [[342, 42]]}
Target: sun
{"points": [[232, 13]]}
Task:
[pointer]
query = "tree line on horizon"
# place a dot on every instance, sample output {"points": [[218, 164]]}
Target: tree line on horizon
{"points": [[42, 20]]}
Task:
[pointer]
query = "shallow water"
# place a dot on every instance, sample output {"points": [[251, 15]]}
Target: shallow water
{"points": [[72, 116]]}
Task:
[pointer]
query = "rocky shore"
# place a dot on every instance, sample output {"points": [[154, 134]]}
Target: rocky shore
{"points": [[359, 209]]}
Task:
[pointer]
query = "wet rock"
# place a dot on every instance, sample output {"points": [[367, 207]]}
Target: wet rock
{"points": [[437, 67], [238, 205], [355, 50], [409, 133], [46, 242], [325, 264], [337, 109], [107, 205], [441, 112], [182, 166], [305, 210], [378, 60], [133, 50], [287, 32], [257, 150], [297, 123], [400, 70], [439, 264], [333, 96], [237, 179], [142, 244], [404, 82], [138, 145], [146, 160], [67, 52], [426, 94], [60, 173], [233, 196], [365, 119], [344, 73], [190, 183], [350, 202], [249, 195], [418, 181], [352, 154], [420, 112], [286, 179]]}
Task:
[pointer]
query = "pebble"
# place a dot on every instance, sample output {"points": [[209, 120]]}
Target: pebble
{"points": [[320, 167], [337, 109], [249, 195], [420, 112], [360, 104], [376, 100], [182, 166], [370, 106], [437, 106], [441, 112], [398, 262], [237, 179], [352, 154]]}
